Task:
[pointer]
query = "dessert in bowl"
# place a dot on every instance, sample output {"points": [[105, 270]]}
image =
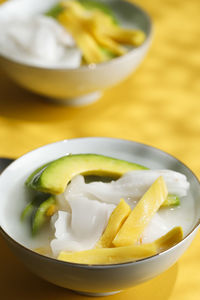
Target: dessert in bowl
{"points": [[39, 54], [94, 277]]}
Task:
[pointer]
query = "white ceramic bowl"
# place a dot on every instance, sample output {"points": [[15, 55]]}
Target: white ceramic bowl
{"points": [[102, 279], [85, 84]]}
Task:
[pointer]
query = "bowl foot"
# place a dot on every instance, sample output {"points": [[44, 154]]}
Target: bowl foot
{"points": [[79, 101], [97, 294]]}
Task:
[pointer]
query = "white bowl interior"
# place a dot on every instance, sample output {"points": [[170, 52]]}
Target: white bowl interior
{"points": [[14, 195]]}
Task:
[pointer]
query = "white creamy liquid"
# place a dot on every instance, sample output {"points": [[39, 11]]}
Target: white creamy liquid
{"points": [[30, 37]]}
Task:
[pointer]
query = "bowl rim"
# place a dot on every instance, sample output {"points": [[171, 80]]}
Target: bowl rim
{"points": [[102, 266], [92, 66]]}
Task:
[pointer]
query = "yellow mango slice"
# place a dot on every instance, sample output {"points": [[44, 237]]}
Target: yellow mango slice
{"points": [[117, 218], [90, 49], [94, 29], [174, 236], [109, 255], [124, 254], [141, 215], [108, 43], [75, 7], [101, 25], [98, 25], [44, 251], [127, 36]]}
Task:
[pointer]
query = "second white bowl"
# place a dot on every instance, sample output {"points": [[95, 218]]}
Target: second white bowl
{"points": [[84, 84]]}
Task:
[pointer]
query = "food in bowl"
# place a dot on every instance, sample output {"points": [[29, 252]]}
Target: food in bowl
{"points": [[97, 209], [93, 279], [63, 33], [50, 74]]}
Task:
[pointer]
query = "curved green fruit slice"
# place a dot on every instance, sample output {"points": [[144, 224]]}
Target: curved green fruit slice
{"points": [[40, 216], [172, 200], [54, 177], [54, 11], [32, 206], [27, 211]]}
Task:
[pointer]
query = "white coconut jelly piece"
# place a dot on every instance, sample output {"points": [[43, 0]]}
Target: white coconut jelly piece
{"points": [[131, 186], [31, 37], [20, 9], [83, 227]]}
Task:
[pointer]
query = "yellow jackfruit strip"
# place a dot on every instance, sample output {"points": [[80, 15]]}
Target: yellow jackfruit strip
{"points": [[76, 7], [94, 29], [44, 251], [170, 239], [88, 26], [117, 218], [89, 47], [94, 25], [141, 215], [124, 254], [109, 255], [107, 42], [102, 25], [129, 37]]}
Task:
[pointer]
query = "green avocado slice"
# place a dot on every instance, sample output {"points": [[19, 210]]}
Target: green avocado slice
{"points": [[40, 216], [32, 206], [53, 177], [54, 11], [172, 200]]}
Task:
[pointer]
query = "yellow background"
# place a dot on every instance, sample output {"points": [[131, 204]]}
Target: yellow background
{"points": [[158, 105]]}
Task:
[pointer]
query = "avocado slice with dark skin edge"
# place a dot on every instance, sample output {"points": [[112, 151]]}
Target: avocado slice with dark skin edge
{"points": [[40, 217], [54, 177], [27, 211], [36, 172], [31, 207], [46, 179]]}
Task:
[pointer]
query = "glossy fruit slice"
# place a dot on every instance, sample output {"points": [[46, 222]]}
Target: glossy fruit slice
{"points": [[170, 239], [117, 218], [141, 215], [109, 255], [54, 177], [41, 215], [124, 254]]}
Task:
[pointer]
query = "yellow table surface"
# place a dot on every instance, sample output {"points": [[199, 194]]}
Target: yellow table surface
{"points": [[158, 105]]}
